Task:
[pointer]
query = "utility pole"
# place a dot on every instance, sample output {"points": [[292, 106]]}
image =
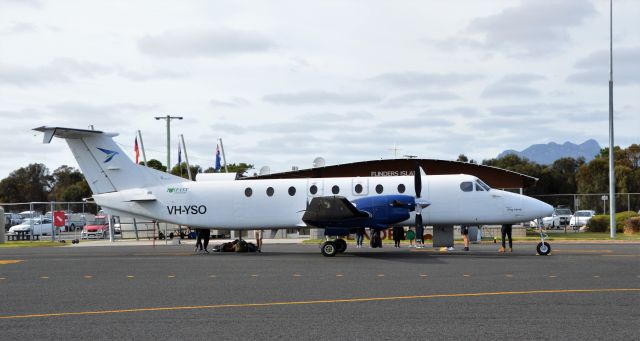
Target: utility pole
{"points": [[168, 118]]}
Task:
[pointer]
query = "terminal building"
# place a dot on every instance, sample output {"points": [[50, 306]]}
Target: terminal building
{"points": [[495, 177]]}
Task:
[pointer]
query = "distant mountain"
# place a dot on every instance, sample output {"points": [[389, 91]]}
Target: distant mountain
{"points": [[546, 154]]}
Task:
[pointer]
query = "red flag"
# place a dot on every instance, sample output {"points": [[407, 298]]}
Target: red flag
{"points": [[136, 150]]}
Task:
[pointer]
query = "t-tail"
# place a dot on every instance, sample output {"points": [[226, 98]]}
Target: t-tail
{"points": [[105, 166]]}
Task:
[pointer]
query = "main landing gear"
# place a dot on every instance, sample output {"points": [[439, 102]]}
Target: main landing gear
{"points": [[543, 248], [332, 247]]}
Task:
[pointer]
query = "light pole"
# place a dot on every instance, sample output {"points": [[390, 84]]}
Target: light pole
{"points": [[168, 118], [612, 179]]}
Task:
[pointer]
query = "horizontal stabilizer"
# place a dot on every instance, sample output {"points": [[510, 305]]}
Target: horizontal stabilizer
{"points": [[66, 133]]}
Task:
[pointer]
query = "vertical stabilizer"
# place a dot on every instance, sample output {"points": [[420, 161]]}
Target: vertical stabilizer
{"points": [[105, 166]]}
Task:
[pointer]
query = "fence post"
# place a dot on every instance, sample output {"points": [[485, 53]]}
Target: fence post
{"points": [[2, 222]]}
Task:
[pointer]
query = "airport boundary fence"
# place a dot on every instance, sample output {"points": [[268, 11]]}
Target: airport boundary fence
{"points": [[598, 202]]}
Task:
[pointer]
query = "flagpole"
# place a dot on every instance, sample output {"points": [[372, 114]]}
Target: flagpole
{"points": [[224, 158], [186, 157], [144, 155], [612, 177]]}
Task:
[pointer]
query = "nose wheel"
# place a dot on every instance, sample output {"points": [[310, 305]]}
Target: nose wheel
{"points": [[543, 248]]}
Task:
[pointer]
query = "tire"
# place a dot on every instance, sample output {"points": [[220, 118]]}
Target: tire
{"points": [[328, 248], [341, 245], [543, 249]]}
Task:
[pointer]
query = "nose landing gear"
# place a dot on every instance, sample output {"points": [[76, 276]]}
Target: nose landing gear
{"points": [[543, 248]]}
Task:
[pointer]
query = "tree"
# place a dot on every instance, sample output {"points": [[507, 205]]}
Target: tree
{"points": [[26, 184], [462, 158], [64, 177], [181, 170], [239, 169], [155, 164]]}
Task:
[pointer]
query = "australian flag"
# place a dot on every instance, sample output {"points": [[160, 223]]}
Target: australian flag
{"points": [[218, 165]]}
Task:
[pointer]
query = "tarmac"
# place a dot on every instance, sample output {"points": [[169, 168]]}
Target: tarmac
{"points": [[289, 291]]}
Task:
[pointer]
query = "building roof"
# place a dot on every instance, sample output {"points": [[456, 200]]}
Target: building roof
{"points": [[493, 176]]}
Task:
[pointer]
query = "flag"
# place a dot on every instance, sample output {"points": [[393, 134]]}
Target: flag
{"points": [[136, 150], [218, 165]]}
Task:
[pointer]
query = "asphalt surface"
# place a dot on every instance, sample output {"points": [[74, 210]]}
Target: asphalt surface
{"points": [[291, 292]]}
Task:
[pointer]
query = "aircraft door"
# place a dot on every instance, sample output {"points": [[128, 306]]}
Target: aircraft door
{"points": [[360, 186]]}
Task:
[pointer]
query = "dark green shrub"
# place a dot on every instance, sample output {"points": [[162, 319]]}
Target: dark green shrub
{"points": [[600, 223]]}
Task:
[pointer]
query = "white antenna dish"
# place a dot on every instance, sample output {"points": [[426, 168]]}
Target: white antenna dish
{"points": [[319, 162], [265, 170]]}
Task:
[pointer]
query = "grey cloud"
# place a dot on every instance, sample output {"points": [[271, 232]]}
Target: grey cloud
{"points": [[321, 97], [59, 70], [217, 43], [594, 69], [513, 85], [534, 28], [419, 99], [103, 116], [414, 122], [423, 79], [228, 128], [333, 117], [19, 28], [233, 102]]}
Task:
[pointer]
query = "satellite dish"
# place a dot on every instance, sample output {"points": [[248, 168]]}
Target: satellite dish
{"points": [[319, 162], [265, 170]]}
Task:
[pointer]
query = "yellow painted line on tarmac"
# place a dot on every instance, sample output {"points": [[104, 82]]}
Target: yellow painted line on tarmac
{"points": [[10, 261], [509, 275], [131, 277], [423, 275], [553, 276], [596, 276], [380, 275], [87, 277], [466, 275], [297, 275], [171, 276], [329, 301], [339, 275], [254, 275], [44, 277], [2, 278], [620, 255], [212, 276]]}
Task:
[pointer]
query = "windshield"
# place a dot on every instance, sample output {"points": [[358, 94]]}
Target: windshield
{"points": [[583, 214], [100, 221], [483, 185], [563, 211]]}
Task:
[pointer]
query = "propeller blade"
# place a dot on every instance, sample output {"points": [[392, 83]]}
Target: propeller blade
{"points": [[418, 181]]}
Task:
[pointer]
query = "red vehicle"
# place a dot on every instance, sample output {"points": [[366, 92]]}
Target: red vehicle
{"points": [[98, 229]]}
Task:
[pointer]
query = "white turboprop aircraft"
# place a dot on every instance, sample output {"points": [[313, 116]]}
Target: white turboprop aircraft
{"points": [[337, 204]]}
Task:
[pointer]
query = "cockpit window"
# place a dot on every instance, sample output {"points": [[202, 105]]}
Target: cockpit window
{"points": [[479, 188], [466, 186], [483, 185]]}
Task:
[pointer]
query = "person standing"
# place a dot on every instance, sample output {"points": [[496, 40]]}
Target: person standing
{"points": [[258, 235], [506, 232], [206, 234], [198, 240], [411, 235], [398, 234], [419, 236], [464, 230], [359, 237]]}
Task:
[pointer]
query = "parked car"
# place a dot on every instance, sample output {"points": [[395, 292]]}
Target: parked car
{"points": [[33, 226], [581, 218], [11, 219], [560, 217], [97, 229]]}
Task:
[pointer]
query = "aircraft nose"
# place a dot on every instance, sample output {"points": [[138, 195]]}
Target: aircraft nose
{"points": [[539, 208]]}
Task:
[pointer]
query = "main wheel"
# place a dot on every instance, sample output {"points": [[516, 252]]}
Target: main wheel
{"points": [[328, 248], [543, 249], [341, 245]]}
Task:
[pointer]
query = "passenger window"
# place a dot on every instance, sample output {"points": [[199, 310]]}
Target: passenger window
{"points": [[379, 189], [335, 189], [248, 191], [466, 186], [401, 188], [292, 191], [479, 188], [270, 191], [313, 189], [358, 188]]}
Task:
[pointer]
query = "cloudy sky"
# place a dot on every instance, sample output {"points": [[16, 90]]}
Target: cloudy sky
{"points": [[282, 82]]}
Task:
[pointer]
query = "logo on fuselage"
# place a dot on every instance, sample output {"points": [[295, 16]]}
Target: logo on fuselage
{"points": [[187, 209], [177, 190], [109, 154]]}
